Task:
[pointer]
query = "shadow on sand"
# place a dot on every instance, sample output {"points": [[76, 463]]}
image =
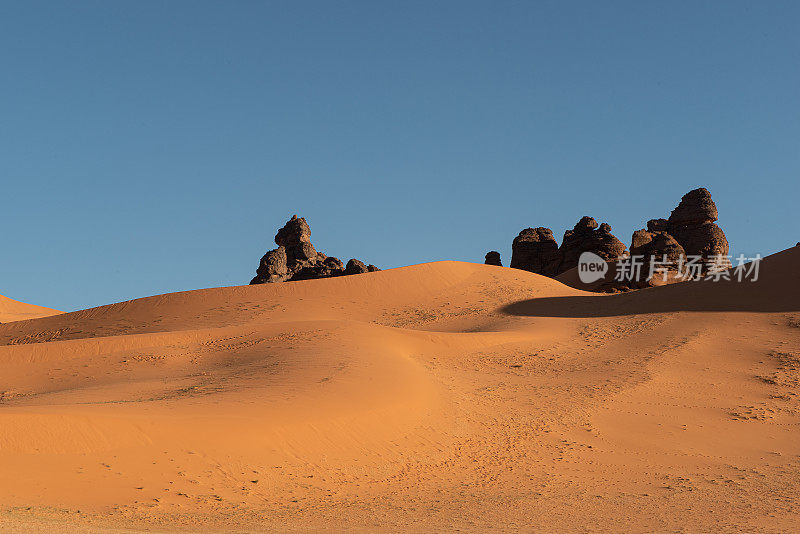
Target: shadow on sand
{"points": [[687, 297]]}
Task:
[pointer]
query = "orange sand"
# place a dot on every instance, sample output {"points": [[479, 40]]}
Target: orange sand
{"points": [[12, 310], [434, 397]]}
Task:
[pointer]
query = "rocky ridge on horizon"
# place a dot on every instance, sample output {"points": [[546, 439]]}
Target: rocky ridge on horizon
{"points": [[690, 230], [536, 250], [297, 259]]}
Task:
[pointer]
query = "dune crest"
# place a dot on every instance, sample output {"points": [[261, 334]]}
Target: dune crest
{"points": [[13, 310]]}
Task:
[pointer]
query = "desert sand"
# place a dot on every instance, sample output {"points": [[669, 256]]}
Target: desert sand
{"points": [[436, 397], [12, 310]]}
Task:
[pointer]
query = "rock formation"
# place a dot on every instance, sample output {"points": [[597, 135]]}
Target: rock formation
{"points": [[690, 230], [272, 268], [493, 258], [657, 225], [355, 266], [658, 244], [692, 224], [587, 236], [297, 259], [536, 250]]}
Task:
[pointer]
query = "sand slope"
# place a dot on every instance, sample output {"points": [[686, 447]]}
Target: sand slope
{"points": [[433, 397], [12, 310]]}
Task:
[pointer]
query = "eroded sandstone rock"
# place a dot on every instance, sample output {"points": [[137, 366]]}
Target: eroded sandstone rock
{"points": [[690, 230], [693, 225], [297, 259], [355, 266], [536, 250], [493, 258], [657, 244], [587, 236]]}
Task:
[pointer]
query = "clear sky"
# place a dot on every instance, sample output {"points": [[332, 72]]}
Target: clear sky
{"points": [[150, 147]]}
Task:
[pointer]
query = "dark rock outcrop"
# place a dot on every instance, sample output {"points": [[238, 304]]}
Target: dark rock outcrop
{"points": [[692, 224], [355, 266], [695, 208], [690, 231], [295, 232], [493, 258], [705, 240], [656, 244], [535, 250], [587, 236], [273, 267], [657, 225], [297, 259], [665, 244]]}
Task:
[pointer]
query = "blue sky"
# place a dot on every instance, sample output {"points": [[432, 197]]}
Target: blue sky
{"points": [[150, 147]]}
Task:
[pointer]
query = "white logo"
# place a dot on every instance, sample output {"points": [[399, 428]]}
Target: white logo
{"points": [[591, 267]]}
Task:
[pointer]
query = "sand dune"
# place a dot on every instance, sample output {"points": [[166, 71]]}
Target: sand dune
{"points": [[12, 310], [433, 397]]}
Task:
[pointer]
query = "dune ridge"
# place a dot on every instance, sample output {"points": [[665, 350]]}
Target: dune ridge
{"points": [[432, 397], [13, 310]]}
